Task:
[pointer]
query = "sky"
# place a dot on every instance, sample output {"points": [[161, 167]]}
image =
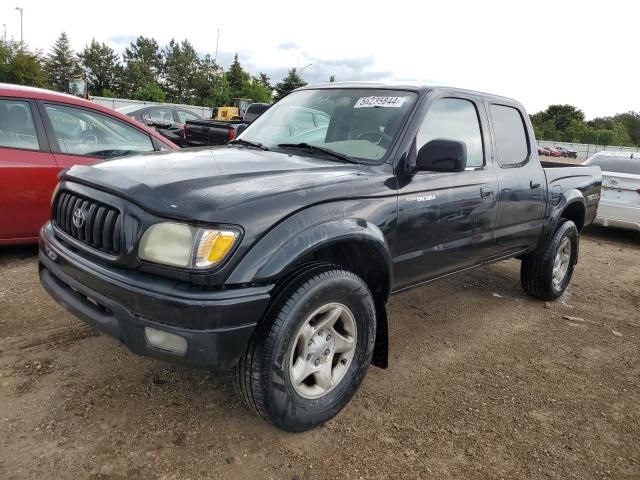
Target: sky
{"points": [[540, 53]]}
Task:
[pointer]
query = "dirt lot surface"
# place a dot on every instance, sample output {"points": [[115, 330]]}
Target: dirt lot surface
{"points": [[484, 382]]}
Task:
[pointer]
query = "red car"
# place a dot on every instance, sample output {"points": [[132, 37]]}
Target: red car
{"points": [[553, 152], [43, 132]]}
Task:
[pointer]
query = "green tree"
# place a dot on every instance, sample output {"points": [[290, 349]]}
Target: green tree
{"points": [[20, 66], [143, 67], [265, 80], [150, 92], [256, 90], [289, 83], [101, 67], [332, 78], [631, 120], [237, 78], [210, 85], [560, 115], [61, 64], [180, 68]]}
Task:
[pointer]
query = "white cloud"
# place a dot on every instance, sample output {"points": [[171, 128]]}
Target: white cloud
{"points": [[549, 51]]}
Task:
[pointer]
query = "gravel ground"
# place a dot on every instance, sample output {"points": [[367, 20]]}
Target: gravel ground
{"points": [[484, 382]]}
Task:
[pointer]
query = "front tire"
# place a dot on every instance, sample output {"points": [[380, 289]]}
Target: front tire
{"points": [[311, 352], [546, 272]]}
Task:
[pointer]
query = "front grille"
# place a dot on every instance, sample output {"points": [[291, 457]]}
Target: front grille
{"points": [[99, 224]]}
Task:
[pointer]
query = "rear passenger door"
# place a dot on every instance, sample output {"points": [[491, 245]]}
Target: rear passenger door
{"points": [[521, 179], [28, 171]]}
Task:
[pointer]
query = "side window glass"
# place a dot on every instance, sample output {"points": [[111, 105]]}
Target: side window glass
{"points": [[84, 132], [183, 116], [511, 139], [16, 125], [454, 119], [161, 115]]}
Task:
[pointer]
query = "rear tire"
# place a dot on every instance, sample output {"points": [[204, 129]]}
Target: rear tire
{"points": [[546, 272], [310, 353]]}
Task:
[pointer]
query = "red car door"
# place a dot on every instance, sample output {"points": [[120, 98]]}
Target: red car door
{"points": [[28, 172]]}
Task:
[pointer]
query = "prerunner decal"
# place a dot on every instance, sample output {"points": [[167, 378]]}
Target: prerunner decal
{"points": [[367, 102]]}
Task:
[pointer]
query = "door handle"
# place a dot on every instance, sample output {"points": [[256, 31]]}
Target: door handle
{"points": [[533, 186], [485, 192]]}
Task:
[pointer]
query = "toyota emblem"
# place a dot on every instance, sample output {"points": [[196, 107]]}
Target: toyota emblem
{"points": [[78, 218]]}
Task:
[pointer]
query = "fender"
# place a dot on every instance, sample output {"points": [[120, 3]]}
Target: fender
{"points": [[568, 198], [303, 233]]}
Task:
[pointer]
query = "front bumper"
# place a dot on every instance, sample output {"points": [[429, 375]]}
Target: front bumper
{"points": [[216, 325]]}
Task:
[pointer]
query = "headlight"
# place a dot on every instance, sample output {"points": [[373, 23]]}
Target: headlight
{"points": [[181, 245]]}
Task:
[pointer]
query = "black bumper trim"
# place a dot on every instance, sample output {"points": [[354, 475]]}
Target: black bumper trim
{"points": [[108, 308]]}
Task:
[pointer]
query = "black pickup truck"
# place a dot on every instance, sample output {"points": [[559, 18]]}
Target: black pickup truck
{"points": [[276, 255], [200, 133]]}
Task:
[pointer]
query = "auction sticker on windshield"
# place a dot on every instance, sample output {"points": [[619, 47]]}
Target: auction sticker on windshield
{"points": [[366, 102]]}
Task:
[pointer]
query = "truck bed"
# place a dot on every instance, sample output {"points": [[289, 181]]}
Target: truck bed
{"points": [[585, 178], [209, 132]]}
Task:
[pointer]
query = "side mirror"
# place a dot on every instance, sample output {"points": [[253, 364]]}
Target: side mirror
{"points": [[441, 155], [241, 128]]}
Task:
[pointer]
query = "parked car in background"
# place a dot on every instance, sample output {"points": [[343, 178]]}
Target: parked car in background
{"points": [[254, 111], [543, 151], [567, 152], [552, 152], [198, 133], [43, 132], [620, 202], [167, 120]]}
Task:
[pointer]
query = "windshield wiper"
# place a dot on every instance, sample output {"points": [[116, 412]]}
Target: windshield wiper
{"points": [[242, 141], [328, 151]]}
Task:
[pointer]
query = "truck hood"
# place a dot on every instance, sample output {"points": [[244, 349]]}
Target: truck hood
{"points": [[227, 184]]}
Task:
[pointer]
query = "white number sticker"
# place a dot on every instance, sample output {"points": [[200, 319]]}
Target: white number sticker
{"points": [[390, 102]]}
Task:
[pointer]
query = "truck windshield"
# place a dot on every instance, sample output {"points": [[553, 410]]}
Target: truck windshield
{"points": [[358, 123]]}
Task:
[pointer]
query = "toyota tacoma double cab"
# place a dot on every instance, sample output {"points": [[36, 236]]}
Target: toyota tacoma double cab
{"points": [[276, 255]]}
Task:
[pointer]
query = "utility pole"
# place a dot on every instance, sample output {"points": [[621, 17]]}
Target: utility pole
{"points": [[21, 10]]}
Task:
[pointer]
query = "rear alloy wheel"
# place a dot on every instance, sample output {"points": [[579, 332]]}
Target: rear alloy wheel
{"points": [[546, 272], [310, 353]]}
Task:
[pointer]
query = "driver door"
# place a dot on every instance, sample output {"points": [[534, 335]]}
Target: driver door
{"points": [[80, 136]]}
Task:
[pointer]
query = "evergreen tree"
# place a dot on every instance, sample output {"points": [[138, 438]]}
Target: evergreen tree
{"points": [[236, 77], [265, 80], [180, 68], [101, 67], [289, 83], [61, 64], [143, 67]]}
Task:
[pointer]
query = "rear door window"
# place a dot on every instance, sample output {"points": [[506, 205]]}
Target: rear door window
{"points": [[17, 129], [510, 135]]}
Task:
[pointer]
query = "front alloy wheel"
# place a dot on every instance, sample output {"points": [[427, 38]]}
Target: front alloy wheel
{"points": [[310, 353], [323, 350]]}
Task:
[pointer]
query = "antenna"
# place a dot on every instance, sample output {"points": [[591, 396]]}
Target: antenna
{"points": [[215, 59]]}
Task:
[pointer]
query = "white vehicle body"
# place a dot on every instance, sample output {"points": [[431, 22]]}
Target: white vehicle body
{"points": [[620, 198]]}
